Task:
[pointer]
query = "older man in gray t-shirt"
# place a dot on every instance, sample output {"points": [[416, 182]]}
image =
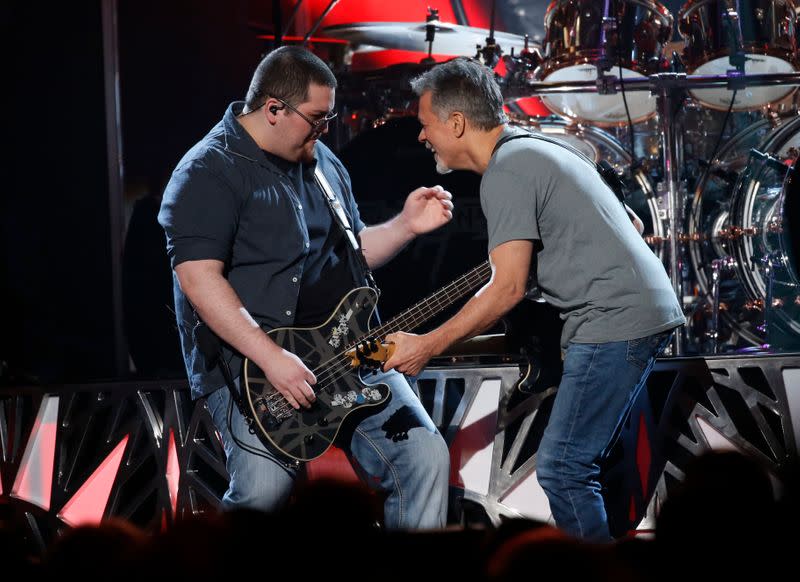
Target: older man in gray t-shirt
{"points": [[544, 202], [592, 264]]}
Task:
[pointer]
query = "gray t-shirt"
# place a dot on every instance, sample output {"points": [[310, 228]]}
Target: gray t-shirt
{"points": [[592, 264]]}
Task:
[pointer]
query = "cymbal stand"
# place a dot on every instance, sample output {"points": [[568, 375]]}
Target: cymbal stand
{"points": [[491, 52], [315, 26], [430, 34], [606, 84], [768, 264], [737, 57], [607, 30]]}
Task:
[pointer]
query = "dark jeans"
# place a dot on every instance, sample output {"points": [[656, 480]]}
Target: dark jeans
{"points": [[598, 387]]}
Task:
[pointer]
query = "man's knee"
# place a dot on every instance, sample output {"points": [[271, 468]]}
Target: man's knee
{"points": [[434, 456], [257, 482], [557, 471], [255, 495], [556, 466], [548, 470]]}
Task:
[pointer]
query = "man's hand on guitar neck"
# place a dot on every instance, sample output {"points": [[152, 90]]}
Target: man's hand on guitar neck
{"points": [[510, 266], [411, 352]]}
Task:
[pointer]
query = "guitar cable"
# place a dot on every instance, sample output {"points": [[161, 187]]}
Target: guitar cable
{"points": [[236, 395], [725, 120], [287, 465]]}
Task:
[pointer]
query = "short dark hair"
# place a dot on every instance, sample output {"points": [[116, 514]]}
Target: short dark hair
{"points": [[286, 73], [464, 85]]}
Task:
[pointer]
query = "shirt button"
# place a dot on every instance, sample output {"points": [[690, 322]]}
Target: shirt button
{"points": [[294, 279], [308, 245], [299, 206], [288, 312]]}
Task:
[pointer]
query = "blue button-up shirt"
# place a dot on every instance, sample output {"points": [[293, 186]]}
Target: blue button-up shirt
{"points": [[227, 201]]}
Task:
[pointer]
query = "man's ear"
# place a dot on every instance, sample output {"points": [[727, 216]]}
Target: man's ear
{"points": [[271, 108], [458, 123]]}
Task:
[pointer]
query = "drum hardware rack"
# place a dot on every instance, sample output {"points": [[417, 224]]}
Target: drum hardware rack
{"points": [[717, 268], [667, 87]]}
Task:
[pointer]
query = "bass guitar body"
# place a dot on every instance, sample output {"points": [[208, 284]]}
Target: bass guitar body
{"points": [[305, 434]]}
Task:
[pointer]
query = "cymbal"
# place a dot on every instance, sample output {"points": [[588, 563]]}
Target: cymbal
{"points": [[450, 39]]}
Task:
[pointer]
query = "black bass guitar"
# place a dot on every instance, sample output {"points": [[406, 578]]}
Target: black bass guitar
{"points": [[339, 352]]}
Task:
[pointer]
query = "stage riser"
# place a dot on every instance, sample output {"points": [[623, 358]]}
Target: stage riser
{"points": [[147, 453]]}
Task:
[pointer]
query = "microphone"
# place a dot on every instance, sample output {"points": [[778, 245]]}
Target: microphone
{"points": [[737, 57]]}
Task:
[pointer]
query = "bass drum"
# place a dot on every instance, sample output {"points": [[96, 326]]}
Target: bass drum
{"points": [[739, 221], [764, 218], [573, 47], [599, 145]]}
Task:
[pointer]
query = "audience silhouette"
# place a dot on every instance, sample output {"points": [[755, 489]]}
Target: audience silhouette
{"points": [[728, 517]]}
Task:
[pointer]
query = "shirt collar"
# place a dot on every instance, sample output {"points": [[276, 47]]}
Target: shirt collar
{"points": [[238, 141]]}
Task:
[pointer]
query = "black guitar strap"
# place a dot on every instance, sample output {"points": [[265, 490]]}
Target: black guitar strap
{"points": [[606, 170], [340, 218]]}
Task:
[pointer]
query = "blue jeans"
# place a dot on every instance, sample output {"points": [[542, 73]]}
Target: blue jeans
{"points": [[398, 448], [598, 387]]}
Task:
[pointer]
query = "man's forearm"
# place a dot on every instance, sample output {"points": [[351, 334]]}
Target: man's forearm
{"points": [[383, 241], [510, 266], [221, 309], [479, 313]]}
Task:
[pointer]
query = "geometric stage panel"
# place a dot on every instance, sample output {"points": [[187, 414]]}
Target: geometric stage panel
{"points": [[143, 451]]}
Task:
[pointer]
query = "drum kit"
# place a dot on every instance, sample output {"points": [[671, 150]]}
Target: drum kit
{"points": [[706, 138]]}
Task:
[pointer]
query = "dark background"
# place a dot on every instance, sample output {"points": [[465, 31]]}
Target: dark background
{"points": [[180, 63]]}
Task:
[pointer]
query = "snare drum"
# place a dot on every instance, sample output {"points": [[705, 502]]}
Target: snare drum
{"points": [[766, 30], [573, 47]]}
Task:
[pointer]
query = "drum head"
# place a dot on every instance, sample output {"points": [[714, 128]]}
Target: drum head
{"points": [[600, 110], [578, 39], [749, 97], [764, 31]]}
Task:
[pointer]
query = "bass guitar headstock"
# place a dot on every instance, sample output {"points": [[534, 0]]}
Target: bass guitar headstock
{"points": [[370, 353]]}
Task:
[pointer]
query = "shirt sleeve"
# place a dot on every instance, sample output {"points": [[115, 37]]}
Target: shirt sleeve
{"points": [[510, 204], [199, 215]]}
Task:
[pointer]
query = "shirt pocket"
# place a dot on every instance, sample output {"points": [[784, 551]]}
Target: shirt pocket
{"points": [[270, 228]]}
